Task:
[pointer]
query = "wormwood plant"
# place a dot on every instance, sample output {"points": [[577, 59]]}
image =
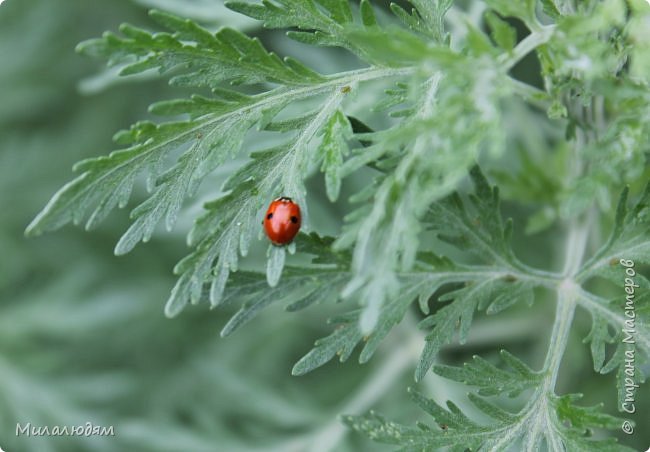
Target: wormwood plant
{"points": [[442, 77]]}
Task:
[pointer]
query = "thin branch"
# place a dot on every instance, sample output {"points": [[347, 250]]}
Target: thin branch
{"points": [[527, 45]]}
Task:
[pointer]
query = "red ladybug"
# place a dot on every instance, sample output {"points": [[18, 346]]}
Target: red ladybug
{"points": [[282, 221]]}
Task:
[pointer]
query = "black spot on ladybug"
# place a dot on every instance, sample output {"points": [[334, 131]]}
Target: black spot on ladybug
{"points": [[294, 219], [269, 216]]}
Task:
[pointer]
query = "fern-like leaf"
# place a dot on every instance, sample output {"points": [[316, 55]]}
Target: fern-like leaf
{"points": [[562, 424]]}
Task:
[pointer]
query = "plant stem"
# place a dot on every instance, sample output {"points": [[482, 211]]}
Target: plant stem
{"points": [[527, 45], [567, 290], [565, 309], [537, 417]]}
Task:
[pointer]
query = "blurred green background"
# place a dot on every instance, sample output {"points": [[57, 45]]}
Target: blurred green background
{"points": [[83, 337]]}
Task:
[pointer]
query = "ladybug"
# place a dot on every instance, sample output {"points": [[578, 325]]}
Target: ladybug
{"points": [[282, 221]]}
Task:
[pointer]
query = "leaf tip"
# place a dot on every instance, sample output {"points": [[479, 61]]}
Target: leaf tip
{"points": [[173, 307], [32, 230], [121, 248], [297, 370], [157, 13], [275, 264], [368, 321]]}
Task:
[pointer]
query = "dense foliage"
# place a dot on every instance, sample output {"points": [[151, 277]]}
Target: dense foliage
{"points": [[436, 119]]}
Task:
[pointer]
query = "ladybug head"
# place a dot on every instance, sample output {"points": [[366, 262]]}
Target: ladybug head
{"points": [[284, 198]]}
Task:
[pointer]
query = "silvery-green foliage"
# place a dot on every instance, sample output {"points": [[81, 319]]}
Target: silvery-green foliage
{"points": [[440, 93]]}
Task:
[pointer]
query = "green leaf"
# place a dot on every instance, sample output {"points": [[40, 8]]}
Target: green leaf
{"points": [[216, 131], [583, 417], [520, 9], [107, 182], [334, 148], [587, 59], [615, 315], [317, 282], [489, 379], [201, 57], [557, 110], [478, 43], [433, 14], [478, 229], [501, 31], [395, 46], [225, 230], [629, 239], [367, 14], [301, 287], [331, 23], [493, 293], [275, 264], [575, 423], [304, 14], [413, 20], [322, 20], [565, 427], [454, 430], [386, 235], [549, 7], [431, 273]]}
